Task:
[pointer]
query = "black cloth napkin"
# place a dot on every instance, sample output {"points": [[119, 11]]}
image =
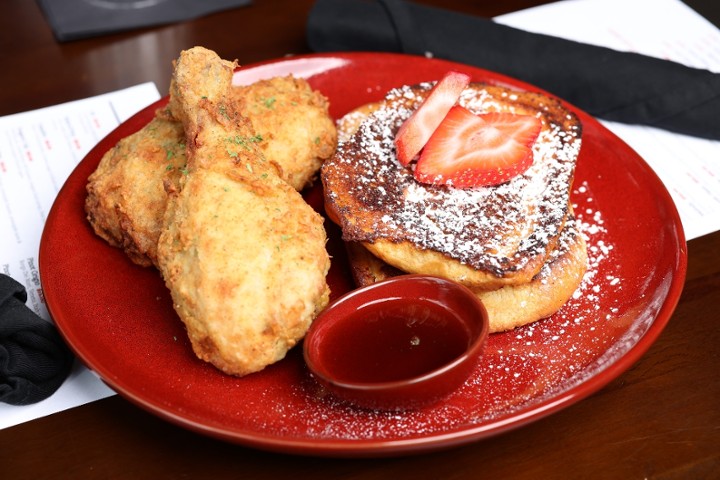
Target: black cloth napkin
{"points": [[34, 360], [618, 86]]}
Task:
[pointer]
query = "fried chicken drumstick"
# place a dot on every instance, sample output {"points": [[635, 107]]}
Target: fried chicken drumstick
{"points": [[127, 193], [208, 193], [241, 252]]}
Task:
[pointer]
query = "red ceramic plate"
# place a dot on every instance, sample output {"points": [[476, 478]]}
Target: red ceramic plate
{"points": [[119, 319]]}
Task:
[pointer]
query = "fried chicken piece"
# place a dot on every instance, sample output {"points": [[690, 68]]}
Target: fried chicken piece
{"points": [[126, 195], [242, 253], [292, 119]]}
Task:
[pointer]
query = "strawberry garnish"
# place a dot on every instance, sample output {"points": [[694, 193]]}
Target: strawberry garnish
{"points": [[417, 129], [468, 150]]}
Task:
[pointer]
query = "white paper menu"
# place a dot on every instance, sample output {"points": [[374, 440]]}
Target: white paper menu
{"points": [[38, 151], [669, 29]]}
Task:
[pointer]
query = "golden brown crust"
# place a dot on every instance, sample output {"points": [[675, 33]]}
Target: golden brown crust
{"points": [[294, 124], [522, 286], [245, 281], [484, 237], [242, 253], [406, 256], [349, 123], [240, 250], [510, 306], [126, 196], [513, 306], [127, 193]]}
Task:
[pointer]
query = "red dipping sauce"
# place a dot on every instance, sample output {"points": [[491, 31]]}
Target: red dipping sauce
{"points": [[393, 340], [399, 344]]}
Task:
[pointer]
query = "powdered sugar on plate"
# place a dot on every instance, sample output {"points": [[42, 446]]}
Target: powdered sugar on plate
{"points": [[520, 368]]}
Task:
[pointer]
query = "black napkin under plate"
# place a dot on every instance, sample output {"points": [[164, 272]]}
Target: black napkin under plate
{"points": [[618, 86], [76, 19], [34, 360]]}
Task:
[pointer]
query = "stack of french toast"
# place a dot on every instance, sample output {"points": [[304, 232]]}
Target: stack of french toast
{"points": [[469, 182]]}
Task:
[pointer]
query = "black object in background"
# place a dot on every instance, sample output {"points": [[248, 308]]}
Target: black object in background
{"points": [[618, 86], [709, 9], [76, 19], [34, 360]]}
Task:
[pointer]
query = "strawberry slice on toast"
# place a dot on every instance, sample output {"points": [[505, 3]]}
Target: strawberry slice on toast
{"points": [[417, 129], [468, 150]]}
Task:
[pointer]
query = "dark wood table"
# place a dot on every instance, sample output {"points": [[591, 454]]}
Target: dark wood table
{"points": [[659, 420]]}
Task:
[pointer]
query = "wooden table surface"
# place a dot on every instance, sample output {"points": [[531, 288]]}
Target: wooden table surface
{"points": [[659, 420]]}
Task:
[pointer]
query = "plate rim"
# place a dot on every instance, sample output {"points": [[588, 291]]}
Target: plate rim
{"points": [[384, 447]]}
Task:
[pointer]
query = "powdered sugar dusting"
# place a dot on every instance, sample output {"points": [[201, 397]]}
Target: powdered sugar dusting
{"points": [[522, 368], [519, 369], [549, 357], [498, 229]]}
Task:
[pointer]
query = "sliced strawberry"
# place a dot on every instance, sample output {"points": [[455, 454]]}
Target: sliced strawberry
{"points": [[524, 129], [470, 150], [417, 129]]}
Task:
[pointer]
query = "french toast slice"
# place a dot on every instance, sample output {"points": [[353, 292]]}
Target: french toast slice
{"points": [[483, 237], [510, 306]]}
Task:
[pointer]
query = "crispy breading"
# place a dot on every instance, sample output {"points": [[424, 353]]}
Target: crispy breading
{"points": [[242, 253], [127, 193], [292, 119]]}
